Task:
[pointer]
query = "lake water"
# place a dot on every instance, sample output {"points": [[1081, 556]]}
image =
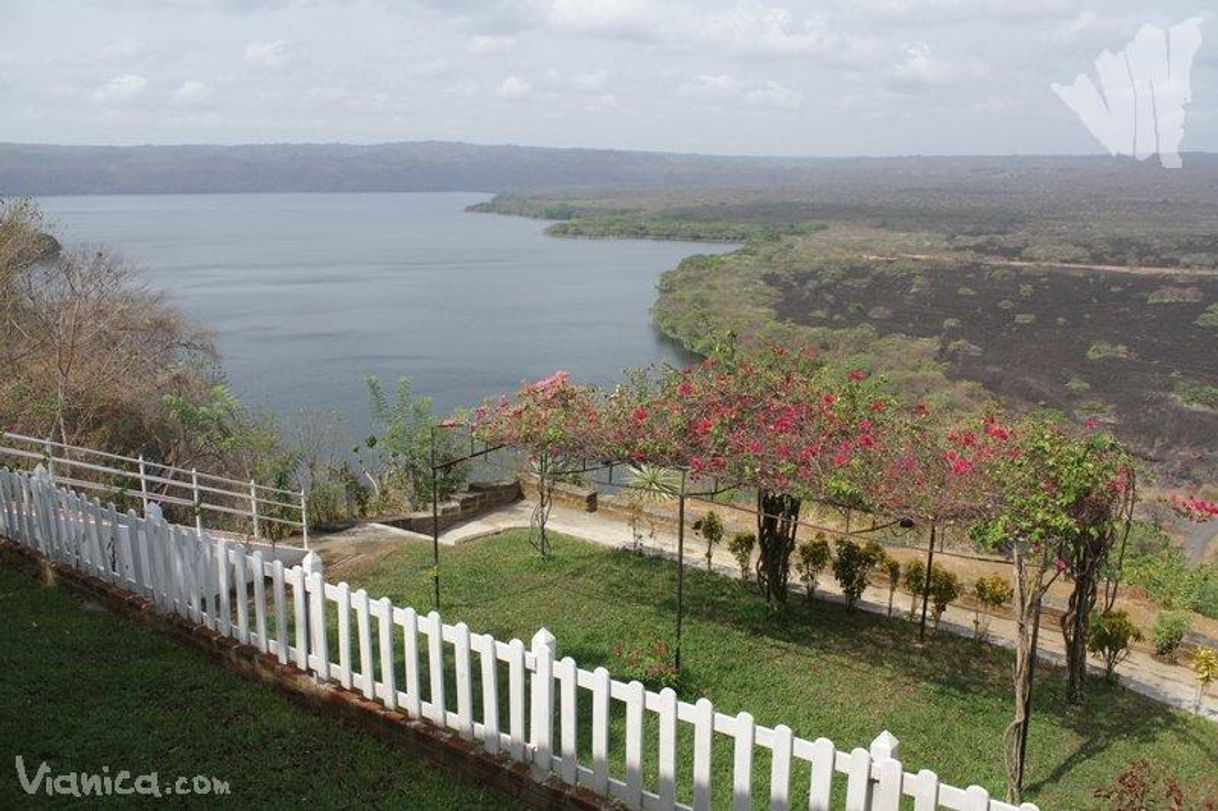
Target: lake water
{"points": [[308, 293]]}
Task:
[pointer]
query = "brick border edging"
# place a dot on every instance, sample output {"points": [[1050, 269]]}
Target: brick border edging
{"points": [[440, 747]]}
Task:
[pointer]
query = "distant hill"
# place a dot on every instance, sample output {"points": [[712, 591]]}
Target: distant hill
{"points": [[33, 169]]}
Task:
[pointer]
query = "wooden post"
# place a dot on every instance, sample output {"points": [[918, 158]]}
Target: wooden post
{"points": [[680, 569], [143, 485], [930, 562], [304, 517], [254, 507], [194, 486]]}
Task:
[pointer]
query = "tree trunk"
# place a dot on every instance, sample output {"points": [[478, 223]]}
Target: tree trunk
{"points": [[1029, 587], [1074, 624], [777, 521]]}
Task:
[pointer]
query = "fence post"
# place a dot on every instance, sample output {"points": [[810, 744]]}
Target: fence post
{"points": [[194, 486], [886, 793], [50, 455], [304, 517], [541, 720], [254, 507], [143, 485]]}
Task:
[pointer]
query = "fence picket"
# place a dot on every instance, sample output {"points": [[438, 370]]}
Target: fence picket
{"points": [[364, 634], [858, 785], [568, 733], [279, 592], [667, 782], [601, 696], [926, 797], [780, 769], [241, 594], [410, 641], [300, 610], [320, 657], [343, 598], [384, 628], [742, 762], [704, 731], [435, 668], [259, 573], [490, 694], [636, 696], [465, 699], [516, 698]]}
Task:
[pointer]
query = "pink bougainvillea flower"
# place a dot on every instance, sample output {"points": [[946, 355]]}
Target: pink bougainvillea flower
{"points": [[858, 374]]}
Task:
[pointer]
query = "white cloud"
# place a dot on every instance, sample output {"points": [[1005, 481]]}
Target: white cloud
{"points": [[712, 87], [593, 80], [1068, 31], [121, 50], [513, 87], [428, 68], [190, 92], [483, 44], [120, 89], [268, 54], [772, 94], [920, 67]]}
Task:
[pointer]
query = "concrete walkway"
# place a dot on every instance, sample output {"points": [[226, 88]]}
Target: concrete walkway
{"points": [[1174, 685]]}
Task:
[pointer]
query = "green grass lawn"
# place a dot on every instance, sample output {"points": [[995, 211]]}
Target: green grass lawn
{"points": [[824, 671], [82, 689]]}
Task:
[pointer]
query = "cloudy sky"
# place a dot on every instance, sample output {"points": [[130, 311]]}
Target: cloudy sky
{"points": [[835, 77]]}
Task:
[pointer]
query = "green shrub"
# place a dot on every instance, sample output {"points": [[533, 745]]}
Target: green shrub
{"points": [[1170, 628], [1197, 394], [913, 581], [1025, 318], [1209, 318], [944, 589], [1111, 638], [965, 291], [741, 546], [710, 527], [992, 593], [811, 558], [1103, 350], [852, 566]]}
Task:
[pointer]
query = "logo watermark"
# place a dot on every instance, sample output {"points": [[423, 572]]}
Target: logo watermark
{"points": [[120, 783], [1139, 108]]}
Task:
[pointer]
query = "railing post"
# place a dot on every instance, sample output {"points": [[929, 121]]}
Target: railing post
{"points": [[304, 517], [143, 484], [254, 507], [50, 454], [541, 720], [194, 486]]}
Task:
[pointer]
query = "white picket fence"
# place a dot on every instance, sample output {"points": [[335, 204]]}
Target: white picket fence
{"points": [[452, 677]]}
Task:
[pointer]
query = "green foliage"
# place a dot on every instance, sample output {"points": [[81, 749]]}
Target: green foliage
{"points": [[1111, 637], [993, 591], [741, 546], [1169, 631], [811, 558], [1205, 665], [1197, 394], [852, 565], [1209, 318], [397, 456], [637, 225], [1166, 574], [710, 527], [944, 589], [1102, 350]]}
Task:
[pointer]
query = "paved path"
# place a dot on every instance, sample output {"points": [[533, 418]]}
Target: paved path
{"points": [[1174, 685]]}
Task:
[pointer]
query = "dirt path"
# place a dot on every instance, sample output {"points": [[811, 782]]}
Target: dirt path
{"points": [[1136, 270], [357, 548]]}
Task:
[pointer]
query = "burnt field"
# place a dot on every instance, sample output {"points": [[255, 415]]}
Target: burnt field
{"points": [[1137, 352]]}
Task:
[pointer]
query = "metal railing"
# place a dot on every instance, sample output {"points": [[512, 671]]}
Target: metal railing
{"points": [[88, 469]]}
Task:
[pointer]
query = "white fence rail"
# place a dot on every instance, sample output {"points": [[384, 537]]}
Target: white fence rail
{"points": [[156, 483], [580, 726]]}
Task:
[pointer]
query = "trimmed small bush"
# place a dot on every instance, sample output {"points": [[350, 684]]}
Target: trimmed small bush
{"points": [[1170, 628]]}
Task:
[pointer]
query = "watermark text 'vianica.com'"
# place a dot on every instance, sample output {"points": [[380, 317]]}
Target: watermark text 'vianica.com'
{"points": [[118, 783]]}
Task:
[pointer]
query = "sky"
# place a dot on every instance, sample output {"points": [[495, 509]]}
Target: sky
{"points": [[771, 77]]}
